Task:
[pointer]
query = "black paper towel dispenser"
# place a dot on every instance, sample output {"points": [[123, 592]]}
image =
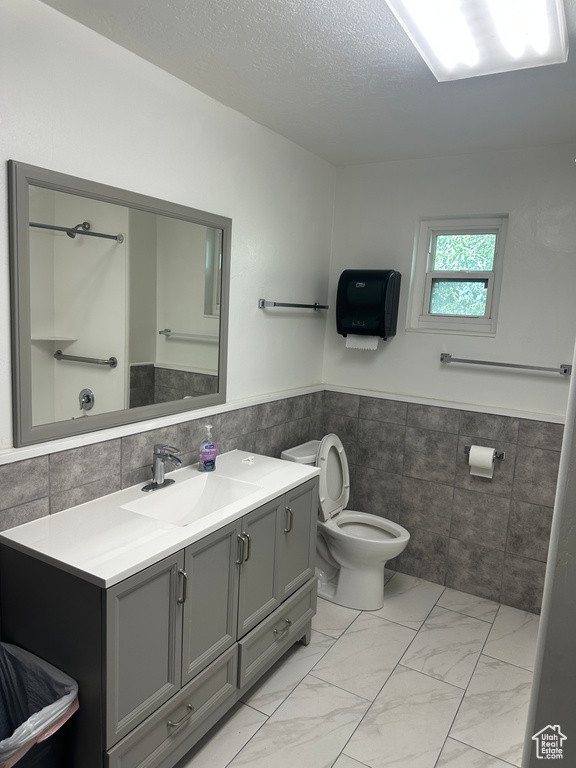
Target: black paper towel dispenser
{"points": [[367, 302]]}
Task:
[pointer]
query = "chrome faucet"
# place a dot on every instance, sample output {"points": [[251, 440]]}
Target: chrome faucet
{"points": [[162, 454]]}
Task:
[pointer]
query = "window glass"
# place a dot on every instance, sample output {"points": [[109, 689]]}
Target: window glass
{"points": [[467, 252], [466, 298]]}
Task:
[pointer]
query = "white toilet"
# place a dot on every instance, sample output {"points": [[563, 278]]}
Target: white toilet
{"points": [[352, 547]]}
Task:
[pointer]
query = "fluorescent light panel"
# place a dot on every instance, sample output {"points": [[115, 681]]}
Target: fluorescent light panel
{"points": [[467, 38]]}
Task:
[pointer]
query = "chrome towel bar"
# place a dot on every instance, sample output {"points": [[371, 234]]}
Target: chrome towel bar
{"points": [[112, 362], [79, 229], [263, 304], [192, 336], [564, 369]]}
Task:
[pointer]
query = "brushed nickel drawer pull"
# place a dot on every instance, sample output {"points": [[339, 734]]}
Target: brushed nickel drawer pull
{"points": [[242, 541], [248, 547], [290, 516], [178, 723], [184, 575], [284, 629]]}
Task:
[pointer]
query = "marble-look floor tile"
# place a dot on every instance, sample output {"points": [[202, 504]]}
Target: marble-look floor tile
{"points": [[347, 762], [513, 637], [363, 658], [309, 729], [471, 605], [447, 647], [493, 714], [458, 755], [408, 600], [332, 619], [224, 741], [407, 724], [267, 695]]}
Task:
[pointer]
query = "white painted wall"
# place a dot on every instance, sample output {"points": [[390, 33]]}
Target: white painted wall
{"points": [[74, 102], [376, 214]]}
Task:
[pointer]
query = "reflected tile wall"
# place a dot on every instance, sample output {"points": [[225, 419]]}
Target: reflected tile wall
{"points": [[485, 537]]}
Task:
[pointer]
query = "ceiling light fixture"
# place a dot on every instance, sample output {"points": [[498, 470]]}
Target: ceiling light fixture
{"points": [[467, 38]]}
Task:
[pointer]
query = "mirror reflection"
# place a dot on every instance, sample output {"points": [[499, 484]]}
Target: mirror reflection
{"points": [[121, 316]]}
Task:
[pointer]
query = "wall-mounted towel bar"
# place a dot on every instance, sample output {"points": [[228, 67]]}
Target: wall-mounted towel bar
{"points": [[79, 229], [192, 336], [564, 368], [112, 362], [263, 304]]}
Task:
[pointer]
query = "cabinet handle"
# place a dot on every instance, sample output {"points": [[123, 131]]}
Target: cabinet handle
{"points": [[242, 550], [178, 723], [248, 546], [284, 629], [290, 518], [184, 575]]}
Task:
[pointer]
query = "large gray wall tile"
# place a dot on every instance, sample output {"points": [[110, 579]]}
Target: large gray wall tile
{"points": [[341, 404], [23, 481], [84, 465], [489, 426], [523, 583], [24, 513], [536, 476], [426, 556], [138, 449], [433, 417], [541, 434], [480, 518], [377, 492], [430, 455], [475, 569], [529, 533], [380, 446], [426, 505], [376, 409]]}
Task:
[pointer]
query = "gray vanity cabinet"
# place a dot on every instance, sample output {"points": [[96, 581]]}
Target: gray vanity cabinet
{"points": [[210, 599], [143, 642], [161, 656]]}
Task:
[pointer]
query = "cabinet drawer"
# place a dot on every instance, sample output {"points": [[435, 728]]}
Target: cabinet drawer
{"points": [[148, 745], [271, 637]]}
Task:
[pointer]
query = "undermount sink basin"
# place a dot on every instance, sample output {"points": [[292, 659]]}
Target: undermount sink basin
{"points": [[187, 501]]}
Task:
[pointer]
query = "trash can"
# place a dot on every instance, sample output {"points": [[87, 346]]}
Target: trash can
{"points": [[36, 699]]}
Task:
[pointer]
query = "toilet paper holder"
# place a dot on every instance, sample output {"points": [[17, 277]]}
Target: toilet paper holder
{"points": [[498, 455]]}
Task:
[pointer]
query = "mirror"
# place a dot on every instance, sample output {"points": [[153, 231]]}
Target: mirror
{"points": [[119, 305]]}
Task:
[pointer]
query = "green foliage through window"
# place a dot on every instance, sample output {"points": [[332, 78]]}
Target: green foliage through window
{"points": [[458, 297], [464, 252]]}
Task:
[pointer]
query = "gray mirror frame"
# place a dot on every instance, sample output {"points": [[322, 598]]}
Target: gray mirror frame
{"points": [[20, 177]]}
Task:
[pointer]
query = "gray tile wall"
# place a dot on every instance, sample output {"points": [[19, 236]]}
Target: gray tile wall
{"points": [[485, 537]]}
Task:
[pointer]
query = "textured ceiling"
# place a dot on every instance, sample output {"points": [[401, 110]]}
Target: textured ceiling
{"points": [[338, 77]]}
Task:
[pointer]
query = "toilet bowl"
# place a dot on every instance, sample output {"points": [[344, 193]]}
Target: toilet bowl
{"points": [[352, 547]]}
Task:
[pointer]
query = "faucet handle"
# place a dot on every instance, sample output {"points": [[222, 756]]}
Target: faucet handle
{"points": [[164, 450]]}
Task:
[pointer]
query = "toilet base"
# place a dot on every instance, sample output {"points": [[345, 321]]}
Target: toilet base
{"points": [[360, 589]]}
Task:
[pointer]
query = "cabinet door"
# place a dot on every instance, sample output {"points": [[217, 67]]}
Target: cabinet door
{"points": [[258, 577], [211, 604], [143, 644], [296, 538]]}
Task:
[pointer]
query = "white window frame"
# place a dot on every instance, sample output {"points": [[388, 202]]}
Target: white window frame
{"points": [[423, 275]]}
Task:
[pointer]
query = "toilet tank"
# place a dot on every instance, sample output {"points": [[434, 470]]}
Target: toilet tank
{"points": [[305, 453]]}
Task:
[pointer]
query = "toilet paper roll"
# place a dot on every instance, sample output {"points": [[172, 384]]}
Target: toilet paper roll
{"points": [[481, 461], [361, 342]]}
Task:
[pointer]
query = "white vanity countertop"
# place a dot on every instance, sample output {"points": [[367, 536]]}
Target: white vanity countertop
{"points": [[104, 543]]}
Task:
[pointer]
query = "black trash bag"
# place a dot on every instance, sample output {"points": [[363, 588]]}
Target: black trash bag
{"points": [[35, 699]]}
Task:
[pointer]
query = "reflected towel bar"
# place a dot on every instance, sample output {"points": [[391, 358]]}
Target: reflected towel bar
{"points": [[80, 229], [193, 336], [112, 362], [262, 304], [564, 369]]}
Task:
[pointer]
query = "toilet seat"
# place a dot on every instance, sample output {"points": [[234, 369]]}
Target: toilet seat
{"points": [[363, 527], [334, 488]]}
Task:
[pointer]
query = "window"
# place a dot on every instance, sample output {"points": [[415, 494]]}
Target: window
{"points": [[456, 275]]}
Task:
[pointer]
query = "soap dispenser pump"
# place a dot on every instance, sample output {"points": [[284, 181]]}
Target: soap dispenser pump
{"points": [[207, 452]]}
